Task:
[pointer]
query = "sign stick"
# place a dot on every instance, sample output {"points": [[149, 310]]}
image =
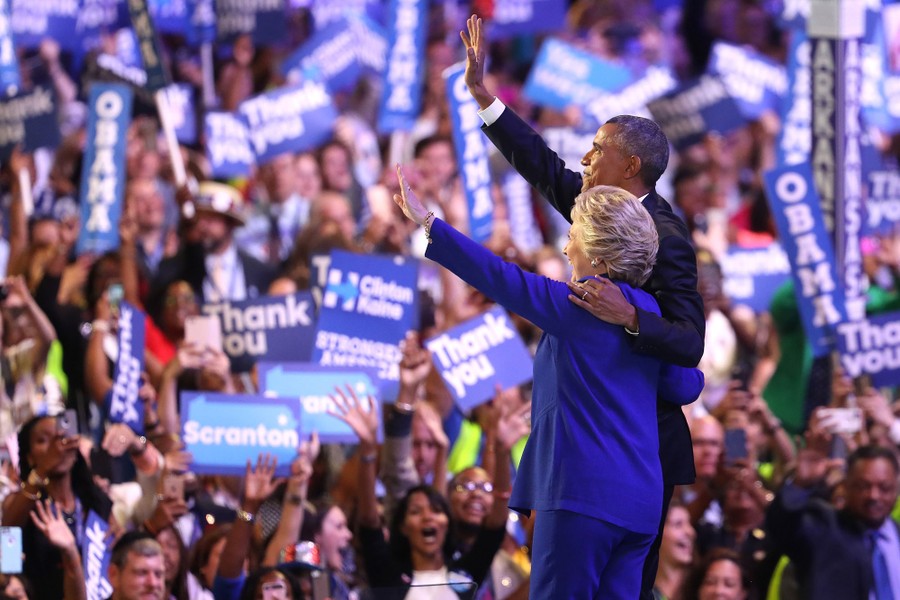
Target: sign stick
{"points": [[165, 119]]}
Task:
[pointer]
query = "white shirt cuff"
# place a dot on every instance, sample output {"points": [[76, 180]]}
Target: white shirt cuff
{"points": [[492, 112]]}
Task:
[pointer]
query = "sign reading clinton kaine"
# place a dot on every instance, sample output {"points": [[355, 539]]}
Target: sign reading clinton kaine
{"points": [[223, 431], [315, 385], [368, 305], [271, 327], [563, 75], [290, 119], [752, 275], [694, 109], [526, 17], [872, 346], [475, 356]]}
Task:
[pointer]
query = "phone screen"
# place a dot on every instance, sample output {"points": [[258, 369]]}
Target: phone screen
{"points": [[115, 295], [173, 486], [67, 423], [10, 549], [735, 445], [203, 331]]}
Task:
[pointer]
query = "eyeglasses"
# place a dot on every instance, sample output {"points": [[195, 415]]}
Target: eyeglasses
{"points": [[470, 486]]}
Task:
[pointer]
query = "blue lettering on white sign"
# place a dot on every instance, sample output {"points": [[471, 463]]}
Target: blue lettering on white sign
{"points": [[471, 154], [96, 553], [479, 354], [271, 327], [402, 95], [872, 346], [797, 212], [103, 172], [314, 385], [223, 431]]}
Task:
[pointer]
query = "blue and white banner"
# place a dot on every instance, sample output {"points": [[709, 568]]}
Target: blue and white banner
{"points": [[794, 140], [103, 171], [325, 12], [757, 83], [798, 215], [880, 94], [526, 17], [872, 347], [314, 385], [94, 19], [123, 404], [475, 356], [170, 16], [563, 75], [633, 98], [265, 20], [34, 20], [180, 100], [752, 275], [270, 328], [694, 109], [339, 54], [96, 553], [201, 22], [228, 145], [28, 119], [290, 119], [882, 183], [224, 431], [471, 153], [9, 63], [369, 304], [151, 57], [401, 98]]}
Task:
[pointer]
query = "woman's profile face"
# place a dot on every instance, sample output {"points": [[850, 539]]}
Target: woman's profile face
{"points": [[722, 582], [575, 252], [45, 445], [334, 537], [424, 526]]}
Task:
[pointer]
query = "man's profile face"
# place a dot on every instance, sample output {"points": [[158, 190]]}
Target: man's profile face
{"points": [[141, 578], [871, 491], [605, 163]]}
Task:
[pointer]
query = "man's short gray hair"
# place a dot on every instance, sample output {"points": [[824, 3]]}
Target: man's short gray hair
{"points": [[642, 138], [617, 229], [141, 546]]}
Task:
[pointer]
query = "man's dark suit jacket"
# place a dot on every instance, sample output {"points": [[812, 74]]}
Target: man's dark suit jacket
{"points": [[827, 547], [676, 337]]}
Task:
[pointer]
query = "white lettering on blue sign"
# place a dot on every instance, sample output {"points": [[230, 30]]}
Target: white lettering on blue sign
{"points": [[883, 202], [259, 436], [275, 118], [870, 347], [796, 137], [339, 350], [656, 82], [474, 167], [96, 583], [403, 66], [228, 141], [103, 175], [851, 259], [125, 388]]}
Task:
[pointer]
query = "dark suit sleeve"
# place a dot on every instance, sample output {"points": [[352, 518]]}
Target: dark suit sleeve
{"points": [[540, 166], [676, 336]]}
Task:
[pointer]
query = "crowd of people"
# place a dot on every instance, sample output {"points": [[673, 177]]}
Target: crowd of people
{"points": [[758, 489]]}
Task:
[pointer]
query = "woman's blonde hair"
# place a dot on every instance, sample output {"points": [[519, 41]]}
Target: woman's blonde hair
{"points": [[617, 229]]}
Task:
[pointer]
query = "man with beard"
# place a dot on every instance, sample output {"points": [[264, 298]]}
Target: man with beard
{"points": [[216, 269]]}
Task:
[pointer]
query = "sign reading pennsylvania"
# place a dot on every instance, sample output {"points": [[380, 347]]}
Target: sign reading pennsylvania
{"points": [[290, 119], [694, 109], [526, 17], [753, 274], [563, 75], [368, 305], [315, 385], [475, 356], [271, 328], [223, 431], [872, 346]]}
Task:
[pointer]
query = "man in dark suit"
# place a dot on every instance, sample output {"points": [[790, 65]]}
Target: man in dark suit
{"points": [[631, 153], [216, 269], [852, 553]]}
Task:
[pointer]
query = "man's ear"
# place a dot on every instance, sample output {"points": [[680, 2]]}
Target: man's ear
{"points": [[633, 168], [112, 574]]}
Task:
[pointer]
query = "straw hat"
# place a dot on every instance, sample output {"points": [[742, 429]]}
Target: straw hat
{"points": [[220, 199]]}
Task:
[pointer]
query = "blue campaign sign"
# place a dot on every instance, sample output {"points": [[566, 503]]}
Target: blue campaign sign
{"points": [[9, 63], [475, 356], [96, 553], [369, 304], [180, 99], [201, 15], [882, 181], [295, 118], [149, 46], [633, 98], [757, 83], [325, 12], [563, 75], [270, 328], [228, 145], [330, 55], [34, 20], [29, 119], [471, 154], [122, 403], [880, 84], [223, 431], [169, 16], [798, 215], [794, 140], [265, 20], [314, 384], [103, 170], [871, 346], [402, 95], [752, 275], [694, 109], [526, 17], [94, 18]]}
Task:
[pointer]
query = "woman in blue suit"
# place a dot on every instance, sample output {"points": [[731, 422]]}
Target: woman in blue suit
{"points": [[591, 466]]}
